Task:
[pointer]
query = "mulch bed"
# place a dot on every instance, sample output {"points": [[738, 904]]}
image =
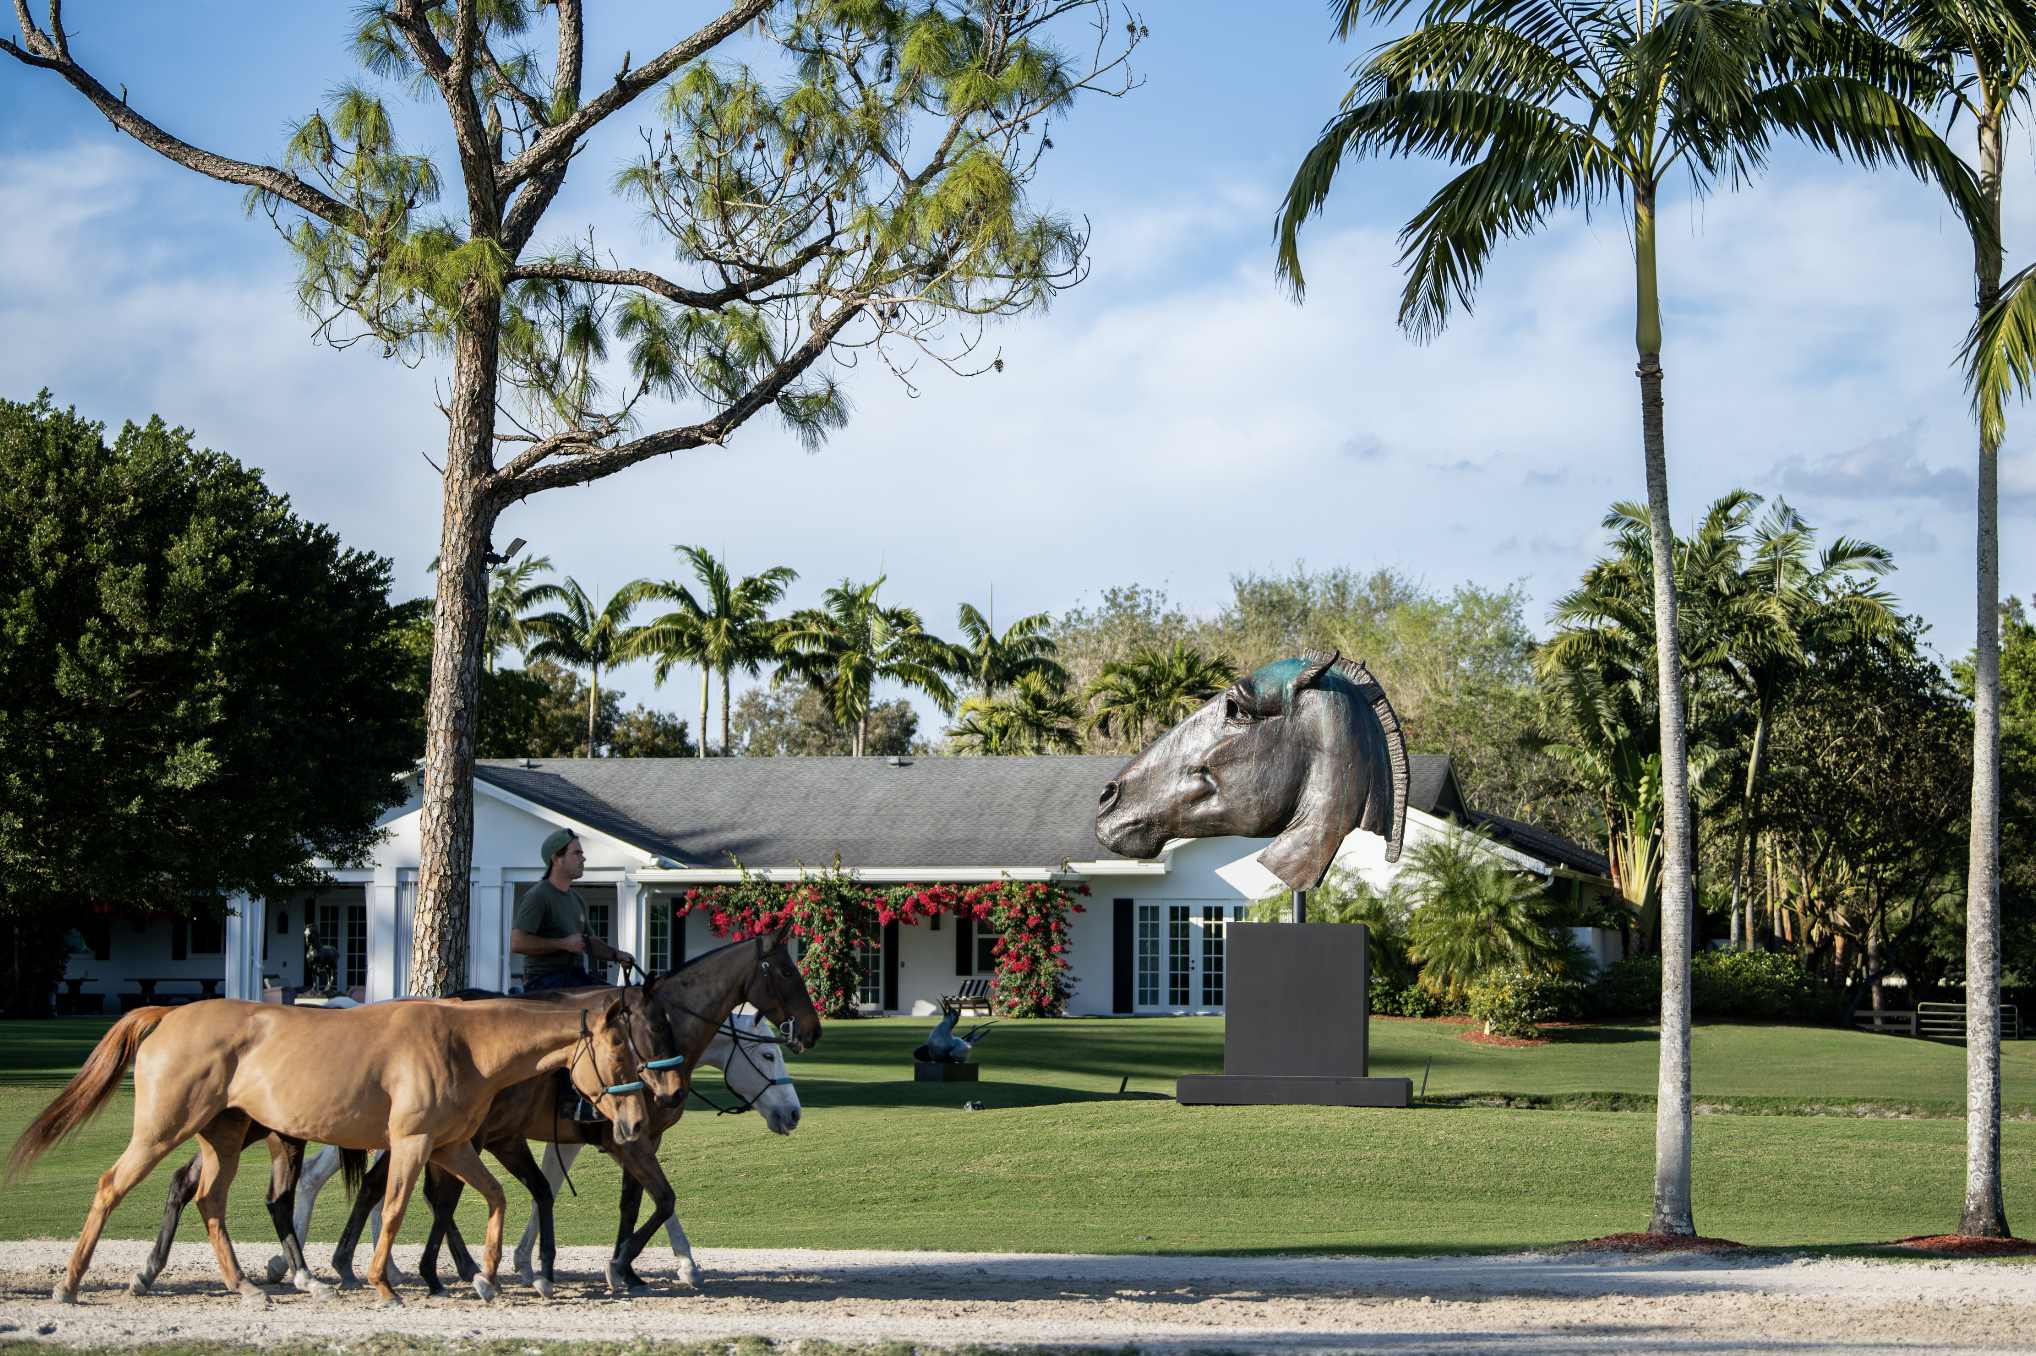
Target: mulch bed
{"points": [[1647, 1243], [1961, 1245], [1477, 1037]]}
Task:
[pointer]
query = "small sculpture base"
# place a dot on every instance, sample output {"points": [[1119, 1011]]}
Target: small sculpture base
{"points": [[332, 1000], [1291, 1090], [930, 1072]]}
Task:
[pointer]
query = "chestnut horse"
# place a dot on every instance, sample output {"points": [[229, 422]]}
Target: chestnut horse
{"points": [[416, 1078]]}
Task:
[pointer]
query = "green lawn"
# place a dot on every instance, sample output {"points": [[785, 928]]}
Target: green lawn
{"points": [[1059, 1161]]}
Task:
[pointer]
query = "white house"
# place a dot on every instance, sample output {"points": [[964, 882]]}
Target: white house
{"points": [[1150, 942]]}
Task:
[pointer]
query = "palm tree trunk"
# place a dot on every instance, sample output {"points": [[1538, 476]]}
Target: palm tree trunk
{"points": [[1985, 1214], [724, 713], [1672, 1213], [1742, 858], [593, 703], [706, 687], [438, 959]]}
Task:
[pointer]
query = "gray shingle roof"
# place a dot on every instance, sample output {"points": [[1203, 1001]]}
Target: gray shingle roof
{"points": [[772, 812], [1431, 785], [1540, 843]]}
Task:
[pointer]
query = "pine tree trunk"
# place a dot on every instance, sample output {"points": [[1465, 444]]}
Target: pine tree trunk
{"points": [[438, 961], [1672, 1212], [1985, 1214]]}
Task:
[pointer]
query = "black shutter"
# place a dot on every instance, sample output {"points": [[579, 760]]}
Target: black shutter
{"points": [[891, 966], [1123, 956], [180, 934], [678, 936], [964, 945]]}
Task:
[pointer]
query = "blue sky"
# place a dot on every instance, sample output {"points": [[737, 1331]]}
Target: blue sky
{"points": [[1172, 421]]}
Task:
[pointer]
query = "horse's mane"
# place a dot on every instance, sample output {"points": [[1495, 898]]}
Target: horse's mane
{"points": [[1354, 672]]}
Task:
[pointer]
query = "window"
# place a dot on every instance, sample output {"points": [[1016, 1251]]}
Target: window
{"points": [[986, 948], [1179, 957], [346, 926], [1148, 955], [208, 936], [1212, 955], [657, 935], [869, 990]]}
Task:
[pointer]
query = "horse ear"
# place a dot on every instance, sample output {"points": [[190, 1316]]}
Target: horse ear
{"points": [[614, 1010], [1318, 662]]}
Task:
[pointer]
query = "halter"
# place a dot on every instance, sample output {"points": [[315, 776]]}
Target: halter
{"points": [[641, 1063]]}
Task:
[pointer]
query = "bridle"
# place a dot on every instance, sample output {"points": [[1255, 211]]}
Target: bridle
{"points": [[744, 1040], [726, 1027]]}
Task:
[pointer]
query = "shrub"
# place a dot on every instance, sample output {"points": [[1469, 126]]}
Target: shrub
{"points": [[1723, 984], [1390, 998], [1513, 1004]]}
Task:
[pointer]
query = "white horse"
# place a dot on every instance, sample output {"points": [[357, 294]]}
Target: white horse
{"points": [[757, 1076]]}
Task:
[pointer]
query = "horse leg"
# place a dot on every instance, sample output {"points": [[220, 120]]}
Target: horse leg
{"points": [[558, 1158], [286, 1166], [406, 1158], [183, 1186], [621, 1276], [133, 1166], [318, 1169], [441, 1196], [372, 1186], [644, 1169], [514, 1154], [219, 1146], [448, 1227], [463, 1161]]}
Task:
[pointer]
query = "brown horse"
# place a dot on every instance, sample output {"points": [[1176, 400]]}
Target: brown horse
{"points": [[697, 998], [416, 1078], [286, 1163]]}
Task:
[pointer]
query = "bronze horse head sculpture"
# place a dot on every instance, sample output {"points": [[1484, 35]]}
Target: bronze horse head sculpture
{"points": [[1302, 751]]}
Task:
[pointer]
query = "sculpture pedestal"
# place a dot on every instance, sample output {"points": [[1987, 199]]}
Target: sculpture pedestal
{"points": [[1296, 1028], [929, 1072]]}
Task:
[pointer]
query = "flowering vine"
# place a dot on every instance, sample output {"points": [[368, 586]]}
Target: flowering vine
{"points": [[836, 916]]}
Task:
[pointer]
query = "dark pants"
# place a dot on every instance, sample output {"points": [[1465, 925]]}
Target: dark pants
{"points": [[572, 978]]}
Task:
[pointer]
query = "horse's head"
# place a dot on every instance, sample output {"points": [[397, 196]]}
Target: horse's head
{"points": [[1302, 751], [778, 991], [621, 1045], [756, 1072], [647, 1029]]}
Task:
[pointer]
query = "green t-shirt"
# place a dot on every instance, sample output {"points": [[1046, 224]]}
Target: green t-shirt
{"points": [[547, 911]]}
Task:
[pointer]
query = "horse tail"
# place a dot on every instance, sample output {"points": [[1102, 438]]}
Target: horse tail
{"points": [[353, 1166], [84, 1096]]}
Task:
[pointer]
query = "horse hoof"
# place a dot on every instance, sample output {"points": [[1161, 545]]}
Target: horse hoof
{"points": [[255, 1301], [485, 1288], [393, 1302], [618, 1278], [687, 1272], [321, 1291], [543, 1287], [279, 1269], [63, 1296], [137, 1285]]}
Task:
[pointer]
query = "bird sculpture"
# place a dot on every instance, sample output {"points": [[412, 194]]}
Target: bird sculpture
{"points": [[943, 1046]]}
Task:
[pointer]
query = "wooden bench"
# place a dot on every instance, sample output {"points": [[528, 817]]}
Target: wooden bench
{"points": [[974, 997], [1898, 1023]]}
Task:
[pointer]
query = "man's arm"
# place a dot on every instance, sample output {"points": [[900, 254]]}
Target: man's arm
{"points": [[530, 944]]}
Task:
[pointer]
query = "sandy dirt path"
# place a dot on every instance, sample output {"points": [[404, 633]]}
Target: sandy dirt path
{"points": [[1533, 1304]]}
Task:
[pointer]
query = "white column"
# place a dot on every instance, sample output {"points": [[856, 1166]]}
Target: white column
{"points": [[382, 970], [486, 934], [241, 934], [629, 916]]}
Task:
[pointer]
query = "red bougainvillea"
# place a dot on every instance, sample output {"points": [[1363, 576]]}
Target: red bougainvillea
{"points": [[836, 916]]}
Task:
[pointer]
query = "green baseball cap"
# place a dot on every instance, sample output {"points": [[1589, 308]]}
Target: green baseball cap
{"points": [[556, 843]]}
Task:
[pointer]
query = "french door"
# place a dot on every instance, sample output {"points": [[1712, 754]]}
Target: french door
{"points": [[1180, 956]]}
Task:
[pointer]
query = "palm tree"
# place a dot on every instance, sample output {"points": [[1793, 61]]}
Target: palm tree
{"points": [[1990, 49], [849, 643], [510, 595], [582, 636], [1552, 103], [1813, 606], [1472, 913], [727, 628], [991, 661], [1036, 716], [1155, 687]]}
